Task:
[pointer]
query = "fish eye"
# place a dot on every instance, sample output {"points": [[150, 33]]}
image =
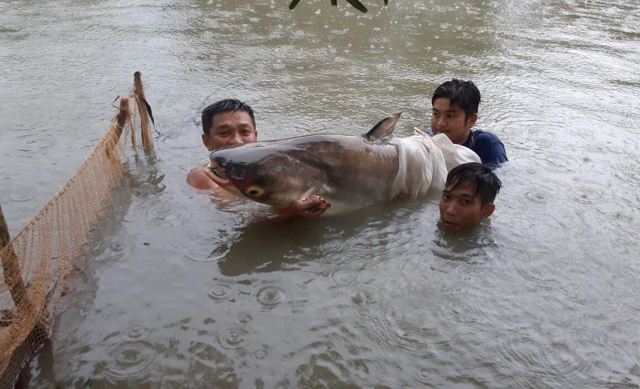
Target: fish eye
{"points": [[254, 191]]}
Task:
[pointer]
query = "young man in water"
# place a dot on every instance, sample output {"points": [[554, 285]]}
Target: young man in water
{"points": [[455, 111], [231, 122], [468, 196]]}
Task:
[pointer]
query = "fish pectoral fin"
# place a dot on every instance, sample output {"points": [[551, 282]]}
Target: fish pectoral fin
{"points": [[383, 131]]}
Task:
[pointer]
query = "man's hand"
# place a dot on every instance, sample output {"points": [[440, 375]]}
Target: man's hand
{"points": [[309, 208]]}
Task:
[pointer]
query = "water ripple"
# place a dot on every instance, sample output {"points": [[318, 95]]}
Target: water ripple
{"points": [[291, 338], [223, 291], [270, 296], [164, 214], [136, 332], [628, 174], [557, 162], [234, 338], [538, 195], [25, 194], [364, 297], [524, 359], [205, 249], [131, 361], [617, 209], [261, 353], [119, 249], [596, 147], [587, 193], [344, 277], [411, 330], [244, 318]]}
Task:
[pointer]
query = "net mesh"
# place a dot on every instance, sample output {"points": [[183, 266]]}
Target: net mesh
{"points": [[38, 261]]}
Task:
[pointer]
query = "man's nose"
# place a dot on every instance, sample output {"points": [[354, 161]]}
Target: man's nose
{"points": [[236, 139], [441, 122], [450, 209]]}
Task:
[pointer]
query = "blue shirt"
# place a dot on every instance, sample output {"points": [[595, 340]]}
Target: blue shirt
{"points": [[488, 147]]}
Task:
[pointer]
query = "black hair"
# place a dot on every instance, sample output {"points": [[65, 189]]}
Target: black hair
{"points": [[221, 106], [486, 183], [463, 93]]}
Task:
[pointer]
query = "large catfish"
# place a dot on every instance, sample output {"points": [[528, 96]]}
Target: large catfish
{"points": [[348, 171]]}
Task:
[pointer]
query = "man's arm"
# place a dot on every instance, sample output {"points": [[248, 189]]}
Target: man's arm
{"points": [[199, 180]]}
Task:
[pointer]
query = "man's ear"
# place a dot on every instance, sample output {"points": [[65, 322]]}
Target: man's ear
{"points": [[205, 141], [487, 210], [472, 120]]}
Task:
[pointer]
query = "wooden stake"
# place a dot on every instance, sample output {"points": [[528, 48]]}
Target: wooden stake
{"points": [[118, 126], [138, 92], [4, 231], [24, 308], [11, 268]]}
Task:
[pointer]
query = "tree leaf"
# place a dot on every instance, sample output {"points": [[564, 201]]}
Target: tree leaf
{"points": [[358, 5], [293, 4]]}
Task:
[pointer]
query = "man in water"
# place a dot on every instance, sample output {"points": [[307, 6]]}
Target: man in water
{"points": [[468, 196], [231, 122], [455, 111]]}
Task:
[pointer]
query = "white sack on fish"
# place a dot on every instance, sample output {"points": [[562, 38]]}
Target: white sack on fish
{"points": [[424, 163]]}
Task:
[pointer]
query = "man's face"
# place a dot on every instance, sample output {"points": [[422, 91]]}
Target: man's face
{"points": [[230, 128], [461, 208], [450, 120]]}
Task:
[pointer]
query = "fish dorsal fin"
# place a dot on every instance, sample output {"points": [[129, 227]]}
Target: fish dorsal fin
{"points": [[383, 131]]}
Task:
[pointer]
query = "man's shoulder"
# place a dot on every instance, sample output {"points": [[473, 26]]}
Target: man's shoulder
{"points": [[488, 146], [484, 136]]}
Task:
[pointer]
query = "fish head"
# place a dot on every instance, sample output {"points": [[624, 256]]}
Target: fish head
{"points": [[267, 172]]}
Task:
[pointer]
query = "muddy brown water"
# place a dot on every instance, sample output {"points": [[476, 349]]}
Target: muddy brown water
{"points": [[182, 291]]}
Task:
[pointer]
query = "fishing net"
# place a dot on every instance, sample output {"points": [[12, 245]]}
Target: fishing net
{"points": [[38, 262]]}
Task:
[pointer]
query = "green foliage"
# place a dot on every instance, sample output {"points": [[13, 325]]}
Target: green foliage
{"points": [[355, 3]]}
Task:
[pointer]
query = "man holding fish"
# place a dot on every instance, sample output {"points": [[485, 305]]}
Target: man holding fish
{"points": [[231, 122]]}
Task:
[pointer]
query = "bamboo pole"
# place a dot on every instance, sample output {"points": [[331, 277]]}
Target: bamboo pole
{"points": [[4, 231], [118, 125], [11, 268], [143, 109], [24, 309]]}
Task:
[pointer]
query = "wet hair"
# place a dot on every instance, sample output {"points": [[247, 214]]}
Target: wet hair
{"points": [[463, 93], [224, 106], [486, 183]]}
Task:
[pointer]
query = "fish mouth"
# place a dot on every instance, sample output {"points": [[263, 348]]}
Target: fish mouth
{"points": [[217, 174]]}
